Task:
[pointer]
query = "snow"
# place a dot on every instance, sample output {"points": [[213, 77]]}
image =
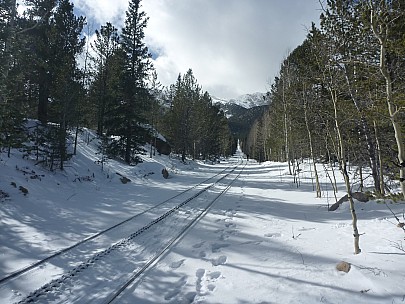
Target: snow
{"points": [[264, 241], [246, 101]]}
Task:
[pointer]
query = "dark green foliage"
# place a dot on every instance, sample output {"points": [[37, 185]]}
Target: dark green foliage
{"points": [[12, 133], [118, 95], [242, 119], [103, 91], [125, 117], [335, 77], [194, 125]]}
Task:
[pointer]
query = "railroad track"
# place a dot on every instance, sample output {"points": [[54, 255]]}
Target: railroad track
{"points": [[171, 212], [113, 297]]}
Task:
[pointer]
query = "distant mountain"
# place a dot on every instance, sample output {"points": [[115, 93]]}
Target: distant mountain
{"points": [[246, 101], [240, 123], [243, 111]]}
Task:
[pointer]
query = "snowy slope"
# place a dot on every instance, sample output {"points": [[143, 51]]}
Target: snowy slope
{"points": [[265, 241]]}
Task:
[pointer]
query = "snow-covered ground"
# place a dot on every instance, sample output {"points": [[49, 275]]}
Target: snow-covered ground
{"points": [[265, 241]]}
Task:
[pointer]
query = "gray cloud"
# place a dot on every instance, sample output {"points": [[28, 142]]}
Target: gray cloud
{"points": [[233, 46]]}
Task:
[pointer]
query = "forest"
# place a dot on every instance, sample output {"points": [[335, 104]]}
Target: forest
{"points": [[340, 98], [52, 75]]}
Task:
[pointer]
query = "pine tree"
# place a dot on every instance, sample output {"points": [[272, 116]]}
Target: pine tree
{"points": [[65, 43], [38, 35], [180, 118], [128, 117], [105, 46], [12, 101]]}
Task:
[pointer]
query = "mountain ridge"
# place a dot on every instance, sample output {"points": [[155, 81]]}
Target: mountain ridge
{"points": [[246, 101], [242, 111]]}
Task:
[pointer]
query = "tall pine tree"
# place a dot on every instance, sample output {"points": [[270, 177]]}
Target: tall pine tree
{"points": [[127, 119], [101, 93]]}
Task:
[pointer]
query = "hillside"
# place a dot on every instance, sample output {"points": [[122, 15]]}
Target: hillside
{"points": [[242, 119]]}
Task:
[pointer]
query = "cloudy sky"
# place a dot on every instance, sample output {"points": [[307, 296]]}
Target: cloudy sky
{"points": [[234, 47]]}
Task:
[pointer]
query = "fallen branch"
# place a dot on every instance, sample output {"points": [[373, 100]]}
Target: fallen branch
{"points": [[400, 224]]}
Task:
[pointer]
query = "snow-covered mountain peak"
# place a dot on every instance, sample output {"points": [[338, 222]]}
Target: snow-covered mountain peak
{"points": [[246, 101]]}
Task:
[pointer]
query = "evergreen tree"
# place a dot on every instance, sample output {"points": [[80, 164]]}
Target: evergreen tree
{"points": [[38, 34], [180, 117], [12, 87], [128, 118], [194, 125], [105, 46], [65, 44]]}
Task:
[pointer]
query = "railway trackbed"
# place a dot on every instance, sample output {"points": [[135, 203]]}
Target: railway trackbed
{"points": [[93, 272]]}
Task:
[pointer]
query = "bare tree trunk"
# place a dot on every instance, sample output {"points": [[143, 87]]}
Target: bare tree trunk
{"points": [[331, 161], [377, 140], [343, 169], [287, 150], [381, 34], [318, 187]]}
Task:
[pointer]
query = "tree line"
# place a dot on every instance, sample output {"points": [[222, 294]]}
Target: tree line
{"points": [[114, 90], [340, 97]]}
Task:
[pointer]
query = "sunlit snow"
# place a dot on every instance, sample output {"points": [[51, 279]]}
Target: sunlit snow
{"points": [[266, 240]]}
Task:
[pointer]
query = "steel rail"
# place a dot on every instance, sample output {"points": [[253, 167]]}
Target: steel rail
{"points": [[33, 296], [155, 259], [98, 234]]}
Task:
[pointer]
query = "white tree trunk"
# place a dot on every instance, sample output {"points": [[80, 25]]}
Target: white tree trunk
{"points": [[343, 169]]}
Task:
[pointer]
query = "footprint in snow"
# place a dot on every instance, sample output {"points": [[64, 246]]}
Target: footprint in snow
{"points": [[177, 264], [199, 286], [223, 237], [219, 261], [219, 231], [216, 247], [273, 235], [230, 213], [177, 289], [214, 275], [188, 298], [306, 229], [229, 225], [198, 245]]}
